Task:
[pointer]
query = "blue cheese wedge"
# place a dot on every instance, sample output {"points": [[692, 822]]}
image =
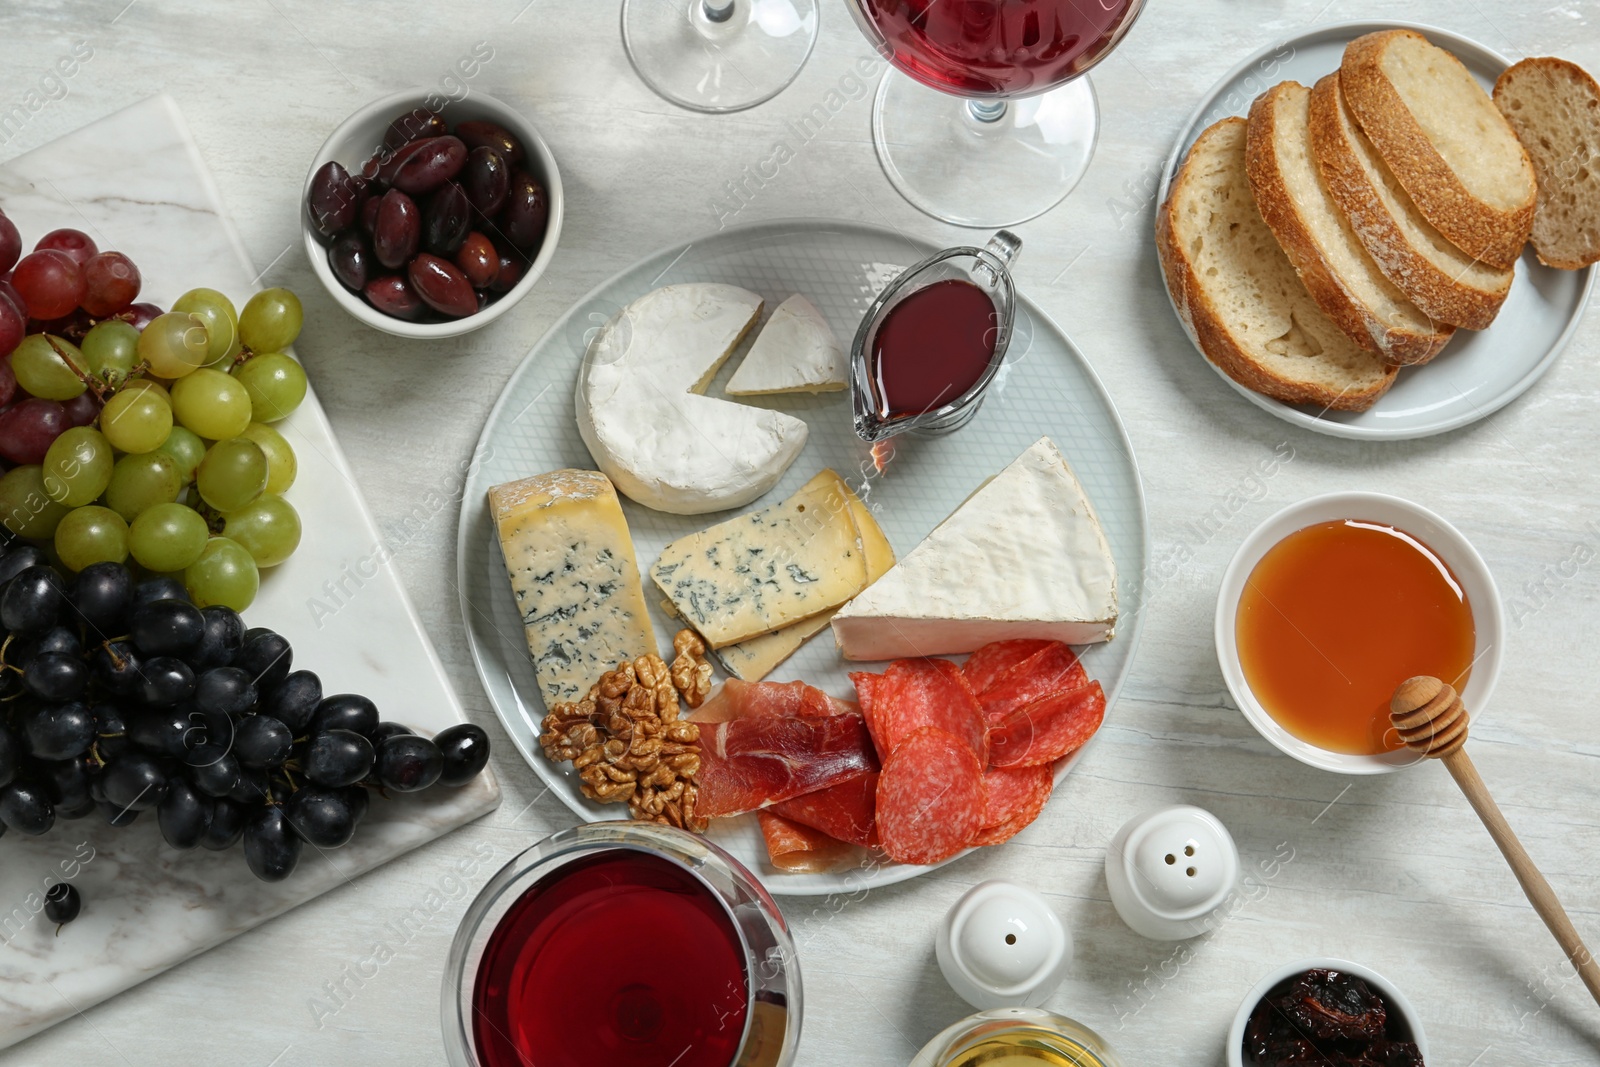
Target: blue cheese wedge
{"points": [[572, 567], [1024, 556], [763, 571], [756, 658]]}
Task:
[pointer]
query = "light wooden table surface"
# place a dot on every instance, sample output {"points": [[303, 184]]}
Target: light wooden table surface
{"points": [[1395, 872]]}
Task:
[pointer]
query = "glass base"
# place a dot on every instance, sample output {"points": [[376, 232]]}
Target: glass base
{"points": [[945, 158], [718, 55]]}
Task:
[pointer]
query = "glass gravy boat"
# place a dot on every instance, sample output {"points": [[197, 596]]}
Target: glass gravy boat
{"points": [[988, 268]]}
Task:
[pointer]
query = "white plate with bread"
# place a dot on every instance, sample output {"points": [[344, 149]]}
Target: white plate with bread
{"points": [[1354, 236]]}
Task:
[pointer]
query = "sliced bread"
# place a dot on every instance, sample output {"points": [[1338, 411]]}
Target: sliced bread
{"points": [[1445, 141], [1444, 282], [1554, 107], [1336, 269], [1238, 295]]}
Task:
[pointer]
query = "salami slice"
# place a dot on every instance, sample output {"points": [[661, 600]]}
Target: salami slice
{"points": [[930, 798], [846, 811], [1052, 670], [795, 848], [868, 687], [918, 693], [985, 666], [1046, 730], [1016, 793], [999, 833]]}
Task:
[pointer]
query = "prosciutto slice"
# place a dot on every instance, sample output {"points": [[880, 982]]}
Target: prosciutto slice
{"points": [[764, 743]]}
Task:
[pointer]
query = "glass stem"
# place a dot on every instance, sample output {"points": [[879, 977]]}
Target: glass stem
{"points": [[717, 10], [987, 110]]}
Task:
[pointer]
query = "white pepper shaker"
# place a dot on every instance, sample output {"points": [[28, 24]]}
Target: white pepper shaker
{"points": [[1170, 871], [1002, 945]]}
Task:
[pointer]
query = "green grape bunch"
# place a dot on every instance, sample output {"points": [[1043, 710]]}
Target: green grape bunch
{"points": [[184, 470]]}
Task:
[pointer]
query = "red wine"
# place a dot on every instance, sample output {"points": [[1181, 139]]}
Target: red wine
{"points": [[932, 347], [997, 47], [624, 959]]}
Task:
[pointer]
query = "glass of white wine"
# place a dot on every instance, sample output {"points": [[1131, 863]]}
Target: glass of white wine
{"points": [[1017, 1037]]}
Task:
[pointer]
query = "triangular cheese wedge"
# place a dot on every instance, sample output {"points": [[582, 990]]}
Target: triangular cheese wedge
{"points": [[640, 411], [796, 352], [1024, 556]]}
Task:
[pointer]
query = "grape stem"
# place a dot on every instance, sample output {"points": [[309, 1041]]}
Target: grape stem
{"points": [[102, 392]]}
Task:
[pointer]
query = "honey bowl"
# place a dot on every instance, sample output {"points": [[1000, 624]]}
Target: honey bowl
{"points": [[1335, 600]]}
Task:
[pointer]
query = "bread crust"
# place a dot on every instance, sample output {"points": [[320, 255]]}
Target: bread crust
{"points": [[1547, 254], [1400, 346], [1204, 323], [1439, 295], [1486, 233]]}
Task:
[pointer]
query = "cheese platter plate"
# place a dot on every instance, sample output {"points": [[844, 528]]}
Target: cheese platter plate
{"points": [[1479, 371], [548, 420]]}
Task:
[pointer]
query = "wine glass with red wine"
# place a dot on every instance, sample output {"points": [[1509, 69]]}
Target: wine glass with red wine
{"points": [[719, 55], [987, 119]]}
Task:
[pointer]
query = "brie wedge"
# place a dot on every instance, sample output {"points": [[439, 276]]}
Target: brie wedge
{"points": [[795, 352], [1024, 556], [641, 414]]}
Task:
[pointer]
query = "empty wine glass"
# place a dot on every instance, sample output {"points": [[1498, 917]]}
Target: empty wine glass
{"points": [[718, 55], [987, 120]]}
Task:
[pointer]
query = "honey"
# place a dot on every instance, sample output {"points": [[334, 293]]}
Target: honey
{"points": [[1335, 616]]}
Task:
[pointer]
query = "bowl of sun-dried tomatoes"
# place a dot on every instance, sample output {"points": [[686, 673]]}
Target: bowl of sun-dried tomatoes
{"points": [[1326, 1011]]}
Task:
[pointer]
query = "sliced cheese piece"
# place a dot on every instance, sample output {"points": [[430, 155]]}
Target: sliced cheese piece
{"points": [[644, 421], [572, 568], [795, 352], [762, 571], [1024, 556], [756, 658]]}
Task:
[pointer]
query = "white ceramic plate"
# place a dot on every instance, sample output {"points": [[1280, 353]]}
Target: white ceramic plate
{"points": [[1479, 372], [1045, 388], [135, 182]]}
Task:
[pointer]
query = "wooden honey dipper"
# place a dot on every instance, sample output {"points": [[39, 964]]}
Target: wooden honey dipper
{"points": [[1432, 721]]}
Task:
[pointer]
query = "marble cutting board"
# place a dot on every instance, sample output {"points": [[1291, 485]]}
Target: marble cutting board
{"points": [[135, 181]]}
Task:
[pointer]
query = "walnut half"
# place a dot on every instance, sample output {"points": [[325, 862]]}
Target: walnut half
{"points": [[691, 670], [628, 745]]}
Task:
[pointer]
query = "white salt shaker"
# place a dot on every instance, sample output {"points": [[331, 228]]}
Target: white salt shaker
{"points": [[1170, 872], [1002, 945]]}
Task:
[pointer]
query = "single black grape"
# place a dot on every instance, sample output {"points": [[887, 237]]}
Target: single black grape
{"points": [[252, 787], [217, 778], [60, 731], [294, 701], [25, 807], [466, 753], [337, 758], [69, 782], [271, 847], [223, 638], [19, 558], [407, 763], [76, 808], [134, 780], [226, 826], [110, 731], [210, 736], [116, 815], [322, 817], [10, 756], [62, 903], [161, 731], [226, 690], [31, 601], [60, 639], [385, 730], [262, 741], [184, 813], [166, 680], [265, 657], [119, 667], [56, 676], [346, 711], [167, 628], [103, 597], [152, 589]]}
